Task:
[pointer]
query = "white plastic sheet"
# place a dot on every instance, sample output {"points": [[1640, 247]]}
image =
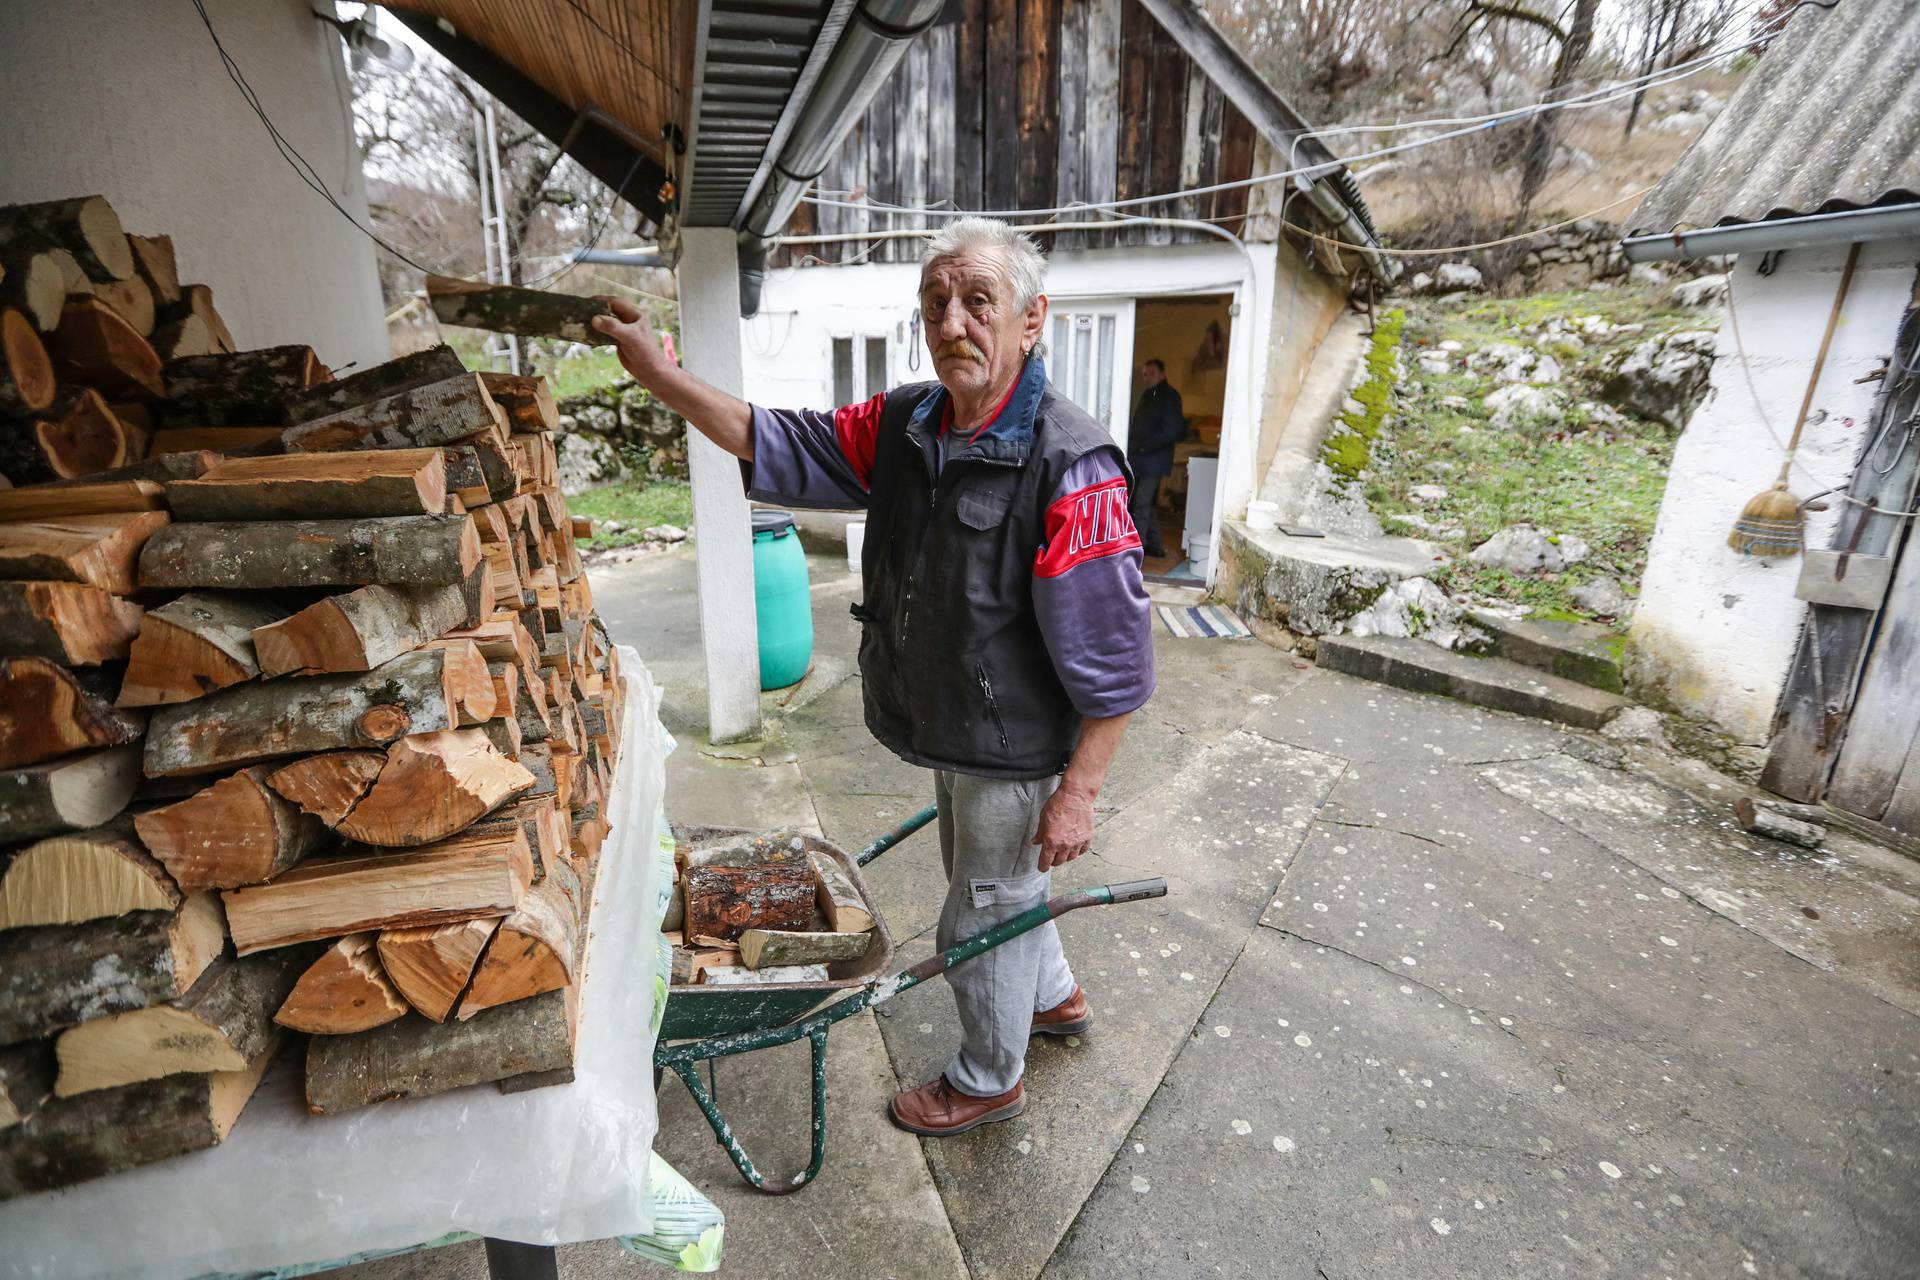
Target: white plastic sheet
{"points": [[549, 1166]]}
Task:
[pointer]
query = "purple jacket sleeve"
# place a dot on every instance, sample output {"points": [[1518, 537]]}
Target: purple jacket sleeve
{"points": [[1088, 592], [800, 456]]}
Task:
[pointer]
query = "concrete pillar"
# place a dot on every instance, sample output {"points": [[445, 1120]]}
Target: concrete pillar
{"points": [[710, 347]]}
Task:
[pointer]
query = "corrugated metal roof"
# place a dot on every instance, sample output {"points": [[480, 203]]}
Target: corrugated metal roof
{"points": [[1829, 120]]}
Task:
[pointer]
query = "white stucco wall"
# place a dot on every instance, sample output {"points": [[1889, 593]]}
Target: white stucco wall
{"points": [[128, 99], [1714, 632]]}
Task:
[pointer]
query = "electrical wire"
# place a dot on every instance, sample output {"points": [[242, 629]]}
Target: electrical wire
{"points": [[1485, 244]]}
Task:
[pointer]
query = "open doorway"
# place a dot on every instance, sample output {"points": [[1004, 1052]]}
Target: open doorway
{"points": [[1188, 336]]}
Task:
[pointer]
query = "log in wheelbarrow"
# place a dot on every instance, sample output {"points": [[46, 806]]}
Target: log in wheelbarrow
{"points": [[703, 1023]]}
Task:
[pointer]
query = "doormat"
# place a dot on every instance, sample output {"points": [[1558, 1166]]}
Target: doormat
{"points": [[1203, 622]]}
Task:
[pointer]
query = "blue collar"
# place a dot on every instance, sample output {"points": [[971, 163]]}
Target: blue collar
{"points": [[1008, 438]]}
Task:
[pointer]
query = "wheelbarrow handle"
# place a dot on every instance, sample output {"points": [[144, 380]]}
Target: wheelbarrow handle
{"points": [[898, 834], [1137, 890]]}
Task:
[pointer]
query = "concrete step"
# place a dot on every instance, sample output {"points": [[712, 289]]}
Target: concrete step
{"points": [[1585, 652], [1499, 683], [1313, 585]]}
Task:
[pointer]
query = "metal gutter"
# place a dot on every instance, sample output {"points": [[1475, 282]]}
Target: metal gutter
{"points": [[1849, 226]]}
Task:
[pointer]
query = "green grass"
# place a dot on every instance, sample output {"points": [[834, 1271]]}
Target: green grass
{"points": [[1569, 475], [636, 505], [1349, 452]]}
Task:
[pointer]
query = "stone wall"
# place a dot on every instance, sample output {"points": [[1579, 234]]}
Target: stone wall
{"points": [[619, 431]]}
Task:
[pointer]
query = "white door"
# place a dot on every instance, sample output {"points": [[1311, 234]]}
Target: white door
{"points": [[1089, 351]]}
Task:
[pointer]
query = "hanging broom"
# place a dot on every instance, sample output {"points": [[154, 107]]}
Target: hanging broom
{"points": [[1773, 523]]}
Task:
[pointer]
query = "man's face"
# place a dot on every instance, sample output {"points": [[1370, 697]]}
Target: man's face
{"points": [[1152, 374], [975, 333]]}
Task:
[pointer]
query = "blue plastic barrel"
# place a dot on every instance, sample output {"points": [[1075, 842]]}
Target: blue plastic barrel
{"points": [[782, 605]]}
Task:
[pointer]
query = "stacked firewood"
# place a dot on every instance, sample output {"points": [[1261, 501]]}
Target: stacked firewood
{"points": [[761, 909], [307, 725]]}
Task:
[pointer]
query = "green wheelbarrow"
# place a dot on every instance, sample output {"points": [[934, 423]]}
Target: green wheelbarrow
{"points": [[704, 1023]]}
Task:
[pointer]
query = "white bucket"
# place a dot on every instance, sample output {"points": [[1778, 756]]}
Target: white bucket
{"points": [[1263, 517], [856, 538], [1200, 554]]}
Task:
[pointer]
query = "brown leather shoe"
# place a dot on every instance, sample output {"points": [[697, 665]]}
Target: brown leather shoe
{"points": [[1071, 1017], [939, 1110]]}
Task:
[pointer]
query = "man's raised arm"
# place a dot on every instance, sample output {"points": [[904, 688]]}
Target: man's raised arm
{"points": [[726, 420]]}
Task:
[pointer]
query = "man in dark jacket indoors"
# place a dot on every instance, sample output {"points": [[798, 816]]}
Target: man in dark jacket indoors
{"points": [[1004, 629], [1158, 423]]}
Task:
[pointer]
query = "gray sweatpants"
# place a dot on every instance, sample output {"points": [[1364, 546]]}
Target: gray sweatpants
{"points": [[986, 842]]}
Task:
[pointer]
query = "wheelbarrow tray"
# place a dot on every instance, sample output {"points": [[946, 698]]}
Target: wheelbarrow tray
{"points": [[695, 1011]]}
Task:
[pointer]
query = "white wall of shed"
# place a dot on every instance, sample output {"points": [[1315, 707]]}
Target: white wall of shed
{"points": [[1714, 632], [128, 99]]}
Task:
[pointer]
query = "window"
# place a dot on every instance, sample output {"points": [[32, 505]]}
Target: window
{"points": [[1081, 356], [861, 379]]}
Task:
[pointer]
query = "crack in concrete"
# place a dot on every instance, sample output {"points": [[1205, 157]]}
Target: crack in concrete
{"points": [[1375, 826]]}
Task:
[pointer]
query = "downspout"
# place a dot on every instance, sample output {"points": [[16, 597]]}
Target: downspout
{"points": [[869, 48]]}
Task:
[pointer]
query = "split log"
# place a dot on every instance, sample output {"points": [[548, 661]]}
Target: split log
{"points": [[342, 992], [85, 438], [177, 334], [1774, 822], [418, 692], [528, 400], [26, 373], [495, 465], [361, 629], [532, 953], [132, 301], [94, 347], [374, 383], [432, 786], [236, 832], [84, 226], [430, 966], [741, 976], [160, 468], [153, 262], [194, 645], [330, 784], [417, 550], [196, 304], [414, 1058], [724, 901], [222, 1023], [305, 486], [101, 550], [66, 794], [241, 388], [48, 711], [765, 850], [35, 284], [675, 917], [465, 479], [436, 413], [80, 500], [83, 875], [79, 285], [840, 902], [504, 733], [531, 313], [74, 1139], [222, 440], [26, 1080], [765, 948], [528, 712], [56, 976], [469, 876], [543, 824], [66, 622]]}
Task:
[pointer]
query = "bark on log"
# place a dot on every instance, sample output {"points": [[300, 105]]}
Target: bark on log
{"points": [[495, 464], [330, 784], [342, 992], [469, 876], [435, 364], [741, 976], [194, 645], [94, 347], [722, 902], [241, 388], [1764, 820], [532, 953], [26, 1080], [56, 976], [35, 284], [197, 300], [48, 711], [360, 629], [528, 400], [101, 550], [417, 550], [765, 948], [432, 786], [840, 902], [66, 622], [132, 301], [80, 500], [87, 437], [430, 966], [1745, 806], [74, 1139], [84, 226], [749, 851], [67, 794], [426, 416], [310, 486], [465, 479], [26, 373], [222, 1023], [417, 692], [153, 262], [236, 832], [81, 876], [531, 313]]}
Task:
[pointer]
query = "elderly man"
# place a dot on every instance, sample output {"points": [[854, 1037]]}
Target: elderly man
{"points": [[1005, 636]]}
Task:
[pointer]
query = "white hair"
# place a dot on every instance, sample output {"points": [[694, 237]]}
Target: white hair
{"points": [[1020, 257]]}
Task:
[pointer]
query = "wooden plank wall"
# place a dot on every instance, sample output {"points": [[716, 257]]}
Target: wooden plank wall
{"points": [[1034, 103]]}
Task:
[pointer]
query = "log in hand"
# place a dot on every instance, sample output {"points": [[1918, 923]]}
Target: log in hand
{"points": [[724, 419], [632, 333]]}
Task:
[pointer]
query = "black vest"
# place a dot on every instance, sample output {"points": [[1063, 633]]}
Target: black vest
{"points": [[956, 671]]}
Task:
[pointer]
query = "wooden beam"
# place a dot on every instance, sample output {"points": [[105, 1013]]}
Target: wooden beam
{"points": [[56, 976]]}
